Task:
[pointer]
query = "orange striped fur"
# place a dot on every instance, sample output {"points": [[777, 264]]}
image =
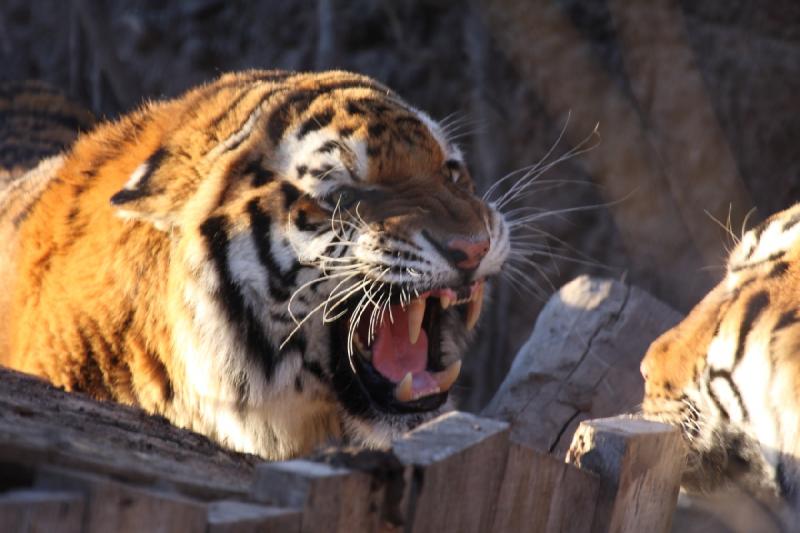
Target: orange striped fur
{"points": [[157, 261], [729, 374]]}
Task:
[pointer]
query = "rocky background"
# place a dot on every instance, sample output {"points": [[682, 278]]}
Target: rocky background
{"points": [[695, 104]]}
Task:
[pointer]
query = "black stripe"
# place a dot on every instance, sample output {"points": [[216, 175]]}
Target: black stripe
{"points": [[772, 257], [723, 412], [290, 194], [261, 175], [778, 269], [376, 129], [726, 376], [789, 224], [785, 482], [315, 369], [261, 225], [142, 187], [753, 309], [322, 173], [315, 122], [299, 101], [215, 232], [787, 318], [302, 223], [378, 107], [329, 146]]}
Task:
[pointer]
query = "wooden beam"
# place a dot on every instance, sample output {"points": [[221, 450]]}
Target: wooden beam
{"points": [[124, 508], [541, 493], [581, 362], [23, 511], [453, 467], [236, 517], [331, 499], [640, 464], [43, 425]]}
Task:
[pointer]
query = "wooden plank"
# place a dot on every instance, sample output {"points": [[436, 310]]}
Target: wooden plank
{"points": [[541, 493], [24, 511], [582, 361], [114, 506], [40, 424], [640, 464], [236, 517], [332, 499], [453, 470]]}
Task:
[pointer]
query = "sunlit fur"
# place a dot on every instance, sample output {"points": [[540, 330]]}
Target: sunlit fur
{"points": [[186, 257], [729, 374]]}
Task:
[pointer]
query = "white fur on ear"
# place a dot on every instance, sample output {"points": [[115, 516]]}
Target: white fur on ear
{"points": [[136, 177]]}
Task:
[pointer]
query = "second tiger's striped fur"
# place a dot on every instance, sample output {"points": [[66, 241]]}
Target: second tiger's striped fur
{"points": [[729, 374], [241, 259]]}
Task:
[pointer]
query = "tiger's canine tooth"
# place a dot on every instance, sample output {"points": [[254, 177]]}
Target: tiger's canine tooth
{"points": [[444, 301], [416, 312], [448, 376], [404, 391], [474, 307]]}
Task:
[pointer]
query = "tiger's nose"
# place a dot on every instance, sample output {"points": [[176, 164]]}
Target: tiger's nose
{"points": [[467, 254]]}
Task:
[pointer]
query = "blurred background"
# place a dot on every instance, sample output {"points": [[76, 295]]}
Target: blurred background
{"points": [[696, 104]]}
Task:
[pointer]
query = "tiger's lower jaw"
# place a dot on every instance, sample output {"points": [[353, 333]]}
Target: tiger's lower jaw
{"points": [[397, 372]]}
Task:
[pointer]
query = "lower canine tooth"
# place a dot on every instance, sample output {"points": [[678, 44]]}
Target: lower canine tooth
{"points": [[416, 312], [448, 376], [404, 391], [474, 307]]}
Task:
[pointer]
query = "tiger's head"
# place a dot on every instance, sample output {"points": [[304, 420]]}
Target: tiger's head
{"points": [[329, 251], [727, 375]]}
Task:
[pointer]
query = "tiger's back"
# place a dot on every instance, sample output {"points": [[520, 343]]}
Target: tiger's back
{"points": [[38, 124]]}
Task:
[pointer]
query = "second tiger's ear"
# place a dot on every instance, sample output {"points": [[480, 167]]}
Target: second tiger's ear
{"points": [[146, 195]]}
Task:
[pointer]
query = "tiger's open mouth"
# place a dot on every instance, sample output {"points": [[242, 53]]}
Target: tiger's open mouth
{"points": [[399, 362]]}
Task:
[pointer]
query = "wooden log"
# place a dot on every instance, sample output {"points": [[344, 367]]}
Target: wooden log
{"points": [[453, 470], [23, 511], [581, 362], [640, 464], [237, 517], [115, 506], [43, 425], [541, 493], [331, 499]]}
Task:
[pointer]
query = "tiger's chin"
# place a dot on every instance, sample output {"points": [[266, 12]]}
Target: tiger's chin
{"points": [[395, 364]]}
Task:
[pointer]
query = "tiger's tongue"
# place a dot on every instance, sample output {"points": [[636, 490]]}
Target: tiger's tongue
{"points": [[394, 356]]}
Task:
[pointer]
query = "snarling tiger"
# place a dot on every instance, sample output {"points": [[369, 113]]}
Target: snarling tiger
{"points": [[729, 374], [273, 259]]}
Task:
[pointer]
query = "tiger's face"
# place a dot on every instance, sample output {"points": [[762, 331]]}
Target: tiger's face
{"points": [[727, 375], [335, 251]]}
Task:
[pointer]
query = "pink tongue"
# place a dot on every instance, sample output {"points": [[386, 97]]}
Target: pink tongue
{"points": [[394, 356]]}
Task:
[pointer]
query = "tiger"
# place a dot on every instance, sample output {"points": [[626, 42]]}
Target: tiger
{"points": [[728, 374], [277, 260]]}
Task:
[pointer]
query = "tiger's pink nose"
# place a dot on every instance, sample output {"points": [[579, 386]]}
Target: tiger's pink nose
{"points": [[467, 254]]}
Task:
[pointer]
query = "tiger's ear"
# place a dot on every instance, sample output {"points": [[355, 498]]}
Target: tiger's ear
{"points": [[146, 195]]}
